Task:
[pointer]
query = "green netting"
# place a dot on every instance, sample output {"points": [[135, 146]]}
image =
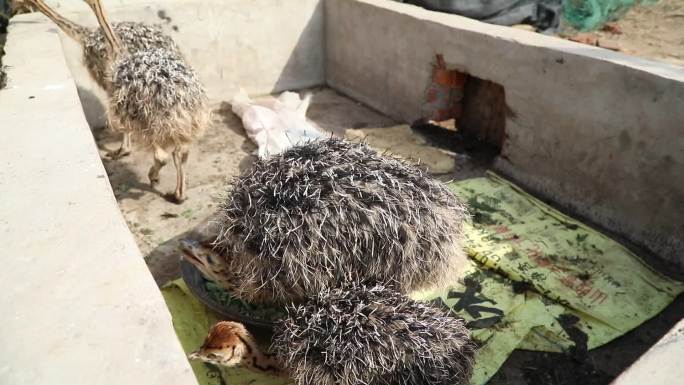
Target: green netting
{"points": [[586, 15]]}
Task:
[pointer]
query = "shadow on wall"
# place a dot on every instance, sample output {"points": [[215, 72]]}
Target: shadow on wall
{"points": [[306, 65], [95, 112]]}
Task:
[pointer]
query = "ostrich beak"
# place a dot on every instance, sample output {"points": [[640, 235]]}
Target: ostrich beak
{"points": [[190, 251]]}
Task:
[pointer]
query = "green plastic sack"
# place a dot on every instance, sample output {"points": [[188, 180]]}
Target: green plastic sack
{"points": [[543, 281]]}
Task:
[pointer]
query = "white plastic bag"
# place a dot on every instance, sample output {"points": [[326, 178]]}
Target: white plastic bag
{"points": [[279, 127]]}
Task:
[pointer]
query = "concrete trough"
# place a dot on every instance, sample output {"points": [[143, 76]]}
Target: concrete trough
{"points": [[598, 133]]}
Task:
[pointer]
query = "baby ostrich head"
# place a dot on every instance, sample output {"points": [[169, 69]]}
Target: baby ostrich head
{"points": [[230, 344], [227, 344], [208, 261]]}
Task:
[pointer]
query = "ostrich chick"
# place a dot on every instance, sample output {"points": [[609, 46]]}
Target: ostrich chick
{"points": [[230, 344], [327, 212], [98, 59], [358, 334], [158, 97], [339, 234], [354, 334]]}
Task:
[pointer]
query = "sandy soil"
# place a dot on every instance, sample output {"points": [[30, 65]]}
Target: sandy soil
{"points": [[653, 31], [221, 154]]}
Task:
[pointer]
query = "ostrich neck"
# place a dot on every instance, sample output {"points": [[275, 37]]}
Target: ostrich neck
{"points": [[260, 361], [266, 363], [72, 29], [113, 42]]}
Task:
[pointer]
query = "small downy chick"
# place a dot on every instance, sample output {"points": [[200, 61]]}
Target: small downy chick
{"points": [[230, 344]]}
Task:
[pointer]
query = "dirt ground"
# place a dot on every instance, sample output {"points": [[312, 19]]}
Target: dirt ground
{"points": [[654, 31], [220, 155]]}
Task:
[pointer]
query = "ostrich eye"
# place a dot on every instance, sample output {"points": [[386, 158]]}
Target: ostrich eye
{"points": [[209, 259]]}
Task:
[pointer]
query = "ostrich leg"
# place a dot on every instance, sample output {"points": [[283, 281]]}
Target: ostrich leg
{"points": [[125, 149], [126, 144], [180, 157], [160, 159]]}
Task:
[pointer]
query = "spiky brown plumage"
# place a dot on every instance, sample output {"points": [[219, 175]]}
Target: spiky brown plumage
{"points": [[372, 335], [99, 59], [337, 232], [134, 37], [157, 96], [332, 211]]}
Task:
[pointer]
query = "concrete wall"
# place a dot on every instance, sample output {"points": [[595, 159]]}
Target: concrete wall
{"points": [[78, 304], [661, 364], [596, 131], [263, 46]]}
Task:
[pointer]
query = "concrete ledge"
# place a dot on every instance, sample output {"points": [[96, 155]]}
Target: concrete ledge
{"points": [[79, 305], [595, 131], [661, 364]]}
